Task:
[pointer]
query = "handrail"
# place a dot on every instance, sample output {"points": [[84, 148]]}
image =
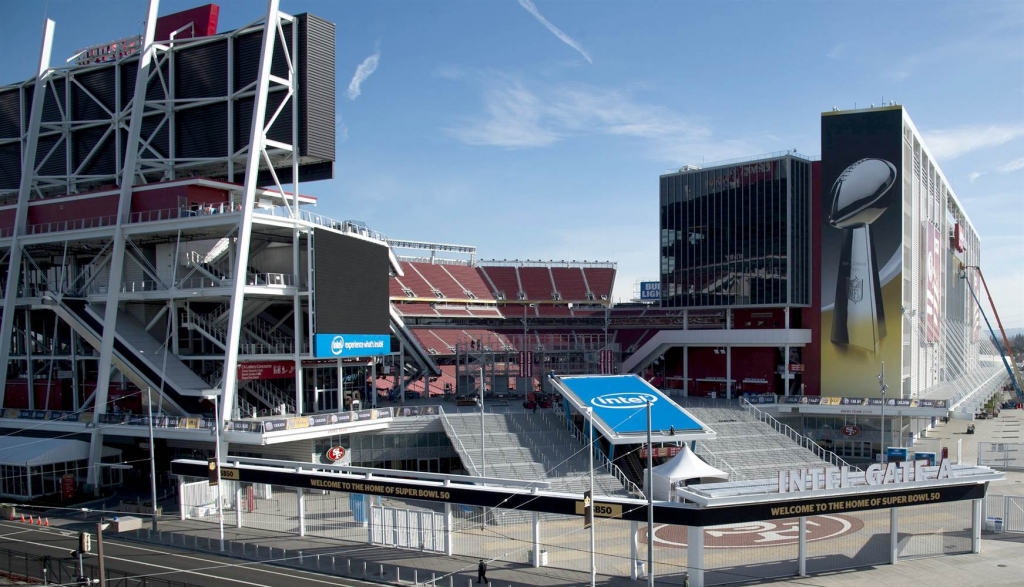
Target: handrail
{"points": [[718, 461], [450, 431], [805, 442], [610, 466]]}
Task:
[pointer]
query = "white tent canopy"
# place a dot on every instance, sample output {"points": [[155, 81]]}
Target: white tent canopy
{"points": [[682, 467]]}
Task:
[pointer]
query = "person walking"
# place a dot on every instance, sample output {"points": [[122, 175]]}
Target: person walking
{"points": [[481, 572]]}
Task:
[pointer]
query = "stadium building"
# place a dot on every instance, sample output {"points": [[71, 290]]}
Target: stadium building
{"points": [[156, 265]]}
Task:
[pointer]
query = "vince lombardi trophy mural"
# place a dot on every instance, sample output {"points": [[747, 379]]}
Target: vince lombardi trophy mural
{"points": [[860, 195]]}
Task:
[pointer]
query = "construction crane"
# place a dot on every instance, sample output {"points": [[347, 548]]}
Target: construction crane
{"points": [[1004, 351]]}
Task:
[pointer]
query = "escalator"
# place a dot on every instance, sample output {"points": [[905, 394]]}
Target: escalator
{"points": [[182, 390]]}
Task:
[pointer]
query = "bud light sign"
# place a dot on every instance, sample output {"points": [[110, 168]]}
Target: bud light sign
{"points": [[650, 291]]}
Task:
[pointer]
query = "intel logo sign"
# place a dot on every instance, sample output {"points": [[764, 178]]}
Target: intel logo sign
{"points": [[338, 345], [623, 400]]}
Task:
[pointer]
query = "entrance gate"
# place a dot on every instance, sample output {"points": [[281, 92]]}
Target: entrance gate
{"points": [[415, 529]]}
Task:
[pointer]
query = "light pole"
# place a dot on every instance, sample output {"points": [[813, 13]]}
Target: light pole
{"points": [[593, 559], [220, 497], [650, 500], [882, 386], [152, 452]]}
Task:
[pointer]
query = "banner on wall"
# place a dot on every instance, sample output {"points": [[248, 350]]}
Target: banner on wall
{"points": [[861, 249], [933, 276]]}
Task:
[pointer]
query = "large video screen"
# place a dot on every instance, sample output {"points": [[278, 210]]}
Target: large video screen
{"points": [[350, 284]]}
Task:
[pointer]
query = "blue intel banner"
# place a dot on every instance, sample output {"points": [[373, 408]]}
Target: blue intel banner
{"points": [[328, 346], [896, 454], [621, 402], [650, 291]]}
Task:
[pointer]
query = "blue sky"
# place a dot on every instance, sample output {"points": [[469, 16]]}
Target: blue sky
{"points": [[537, 130]]}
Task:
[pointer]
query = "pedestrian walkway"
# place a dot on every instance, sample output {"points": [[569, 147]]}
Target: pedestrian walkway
{"points": [[1000, 563]]}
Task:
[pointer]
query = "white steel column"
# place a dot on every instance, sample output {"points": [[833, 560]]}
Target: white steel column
{"points": [[686, 371], [536, 539], [894, 535], [976, 520], [117, 256], [28, 166], [728, 372], [695, 555], [801, 551], [634, 554], [257, 142], [300, 495], [449, 548], [238, 505]]}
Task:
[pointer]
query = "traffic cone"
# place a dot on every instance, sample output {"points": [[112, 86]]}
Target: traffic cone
{"points": [[47, 523], [39, 521], [22, 518], [30, 520]]}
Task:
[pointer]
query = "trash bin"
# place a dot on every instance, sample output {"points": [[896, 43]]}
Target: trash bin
{"points": [[993, 524]]}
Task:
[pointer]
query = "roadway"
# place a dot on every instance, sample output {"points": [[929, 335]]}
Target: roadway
{"points": [[163, 561]]}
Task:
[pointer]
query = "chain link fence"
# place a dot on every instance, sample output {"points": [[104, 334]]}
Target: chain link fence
{"points": [[732, 552], [31, 568]]}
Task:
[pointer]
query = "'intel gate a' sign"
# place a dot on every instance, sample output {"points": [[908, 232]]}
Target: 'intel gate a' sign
{"points": [[328, 346]]}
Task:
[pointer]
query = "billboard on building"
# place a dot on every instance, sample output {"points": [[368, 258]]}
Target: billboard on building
{"points": [[650, 291], [350, 274], [933, 282], [861, 250]]}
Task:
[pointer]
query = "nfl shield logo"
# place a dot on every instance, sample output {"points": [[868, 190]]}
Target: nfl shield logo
{"points": [[855, 289]]}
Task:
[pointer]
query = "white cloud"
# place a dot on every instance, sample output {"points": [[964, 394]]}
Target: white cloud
{"points": [[532, 9], [364, 71], [837, 51], [975, 175], [513, 119], [517, 116], [951, 143], [1015, 165]]}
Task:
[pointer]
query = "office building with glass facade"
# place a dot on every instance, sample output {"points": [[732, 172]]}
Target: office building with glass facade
{"points": [[736, 252], [737, 235]]}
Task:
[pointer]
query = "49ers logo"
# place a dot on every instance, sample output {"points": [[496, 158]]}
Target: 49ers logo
{"points": [[335, 453], [756, 534], [850, 430]]}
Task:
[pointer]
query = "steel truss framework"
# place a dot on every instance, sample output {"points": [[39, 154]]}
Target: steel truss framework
{"points": [[141, 117]]}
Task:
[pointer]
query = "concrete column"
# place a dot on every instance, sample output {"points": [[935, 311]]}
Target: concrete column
{"points": [[787, 377], [238, 506], [300, 494], [536, 539], [801, 552], [448, 546], [894, 535], [976, 521], [181, 498], [634, 556], [341, 386], [728, 372], [686, 371], [695, 555]]}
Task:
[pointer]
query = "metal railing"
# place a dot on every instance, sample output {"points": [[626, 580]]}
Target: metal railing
{"points": [[270, 279], [349, 226], [74, 224], [822, 453], [271, 395], [54, 570], [461, 448], [717, 461]]}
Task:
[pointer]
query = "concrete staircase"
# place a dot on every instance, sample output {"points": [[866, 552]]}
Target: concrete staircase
{"points": [[529, 447], [749, 447]]}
